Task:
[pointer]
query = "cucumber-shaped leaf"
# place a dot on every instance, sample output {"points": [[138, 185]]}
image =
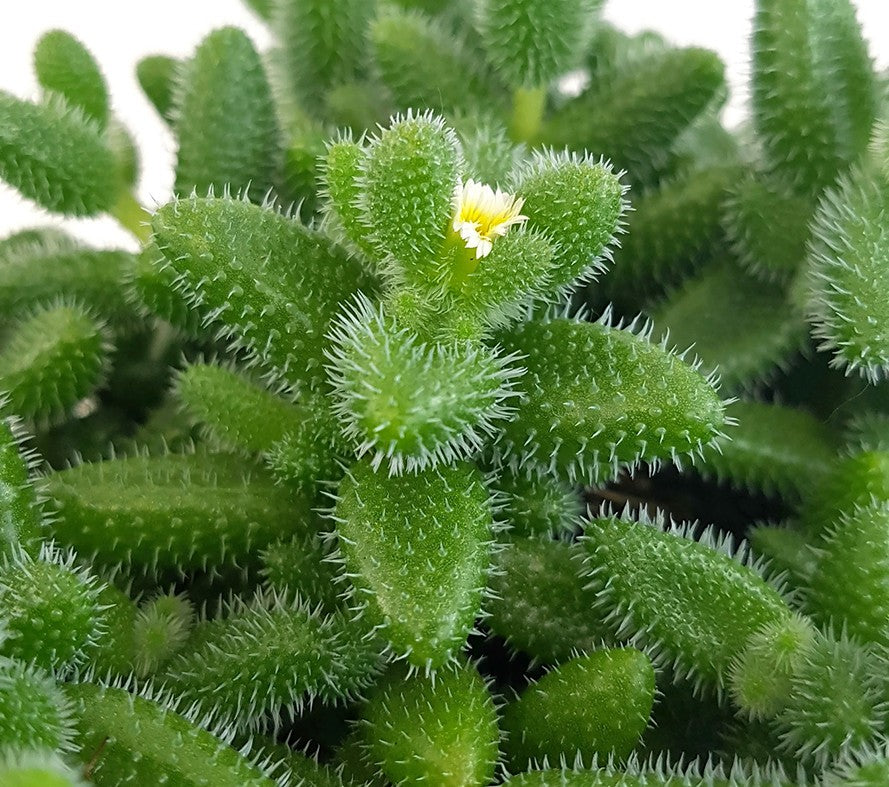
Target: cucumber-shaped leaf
{"points": [[693, 602], [436, 730], [226, 122], [592, 707], [265, 281], [180, 512], [813, 88], [65, 66], [52, 359], [124, 738], [231, 669], [416, 549], [52, 153], [597, 397]]}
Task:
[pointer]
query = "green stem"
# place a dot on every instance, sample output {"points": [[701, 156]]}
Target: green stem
{"points": [[132, 215], [463, 260], [527, 113]]}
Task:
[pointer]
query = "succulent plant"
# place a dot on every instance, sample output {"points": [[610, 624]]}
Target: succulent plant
{"points": [[447, 425]]}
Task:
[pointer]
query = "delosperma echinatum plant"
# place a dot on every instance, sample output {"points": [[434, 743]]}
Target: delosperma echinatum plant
{"points": [[479, 410]]}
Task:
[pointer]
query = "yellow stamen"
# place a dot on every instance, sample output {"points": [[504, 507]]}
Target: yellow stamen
{"points": [[481, 215]]}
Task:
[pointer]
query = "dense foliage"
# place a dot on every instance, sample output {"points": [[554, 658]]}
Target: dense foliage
{"points": [[479, 410]]}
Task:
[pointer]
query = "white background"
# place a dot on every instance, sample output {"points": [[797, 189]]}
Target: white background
{"points": [[120, 32]]}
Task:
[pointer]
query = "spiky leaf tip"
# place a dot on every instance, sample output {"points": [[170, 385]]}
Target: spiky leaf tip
{"points": [[52, 359], [161, 628], [836, 702], [122, 737], [534, 504], [531, 42], [34, 714], [52, 153], [177, 512], [407, 184], [578, 202], [437, 730], [50, 608], [65, 66], [814, 97], [340, 169], [303, 567], [761, 676], [416, 549], [597, 398], [594, 706], [411, 404], [850, 586], [695, 603], [226, 122], [231, 672], [539, 602], [768, 227], [773, 448], [282, 283], [847, 269]]}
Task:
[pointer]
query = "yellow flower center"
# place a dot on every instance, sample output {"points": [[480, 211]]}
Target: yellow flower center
{"points": [[481, 215]]}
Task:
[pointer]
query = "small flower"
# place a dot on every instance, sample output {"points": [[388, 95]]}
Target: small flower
{"points": [[481, 215]]}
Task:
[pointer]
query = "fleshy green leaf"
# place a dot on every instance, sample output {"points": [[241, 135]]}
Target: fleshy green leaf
{"points": [[125, 738], [416, 549], [443, 731], [598, 398], [539, 602], [594, 706], [181, 512], [813, 91], [226, 122], [53, 154], [281, 283], [65, 66], [689, 600]]}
